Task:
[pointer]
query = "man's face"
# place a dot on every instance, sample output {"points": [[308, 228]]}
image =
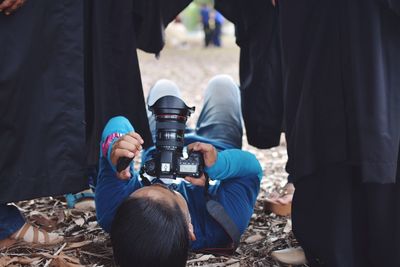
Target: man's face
{"points": [[168, 196]]}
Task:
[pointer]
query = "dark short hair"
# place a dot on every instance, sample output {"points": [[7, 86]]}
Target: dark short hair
{"points": [[147, 233]]}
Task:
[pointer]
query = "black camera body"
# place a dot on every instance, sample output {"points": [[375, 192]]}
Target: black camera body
{"points": [[171, 165], [171, 114]]}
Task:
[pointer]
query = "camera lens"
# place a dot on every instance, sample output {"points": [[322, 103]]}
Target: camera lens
{"points": [[171, 114]]}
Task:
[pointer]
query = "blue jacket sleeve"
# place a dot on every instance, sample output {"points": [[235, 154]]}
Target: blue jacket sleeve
{"points": [[111, 191], [234, 163]]}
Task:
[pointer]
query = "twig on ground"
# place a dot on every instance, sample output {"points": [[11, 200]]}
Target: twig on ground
{"points": [[55, 254]]}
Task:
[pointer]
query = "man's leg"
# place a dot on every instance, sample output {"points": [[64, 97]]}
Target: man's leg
{"points": [[162, 88], [11, 220], [221, 117]]}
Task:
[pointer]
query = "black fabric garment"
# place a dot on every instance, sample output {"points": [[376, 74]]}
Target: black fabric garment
{"points": [[114, 83], [116, 29], [257, 34], [342, 222], [341, 62], [151, 18], [66, 68], [42, 129]]}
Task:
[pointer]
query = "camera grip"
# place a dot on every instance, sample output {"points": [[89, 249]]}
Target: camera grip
{"points": [[123, 163]]}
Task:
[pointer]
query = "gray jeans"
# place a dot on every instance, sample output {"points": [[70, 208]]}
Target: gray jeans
{"points": [[220, 119]]}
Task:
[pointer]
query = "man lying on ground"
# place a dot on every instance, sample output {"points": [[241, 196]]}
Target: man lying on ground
{"points": [[156, 225]]}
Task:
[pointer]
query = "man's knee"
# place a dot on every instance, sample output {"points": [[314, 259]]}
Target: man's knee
{"points": [[222, 87], [223, 82], [162, 88]]}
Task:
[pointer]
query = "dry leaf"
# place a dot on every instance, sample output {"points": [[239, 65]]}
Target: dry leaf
{"points": [[288, 226], [78, 244], [79, 221], [253, 238], [5, 261]]}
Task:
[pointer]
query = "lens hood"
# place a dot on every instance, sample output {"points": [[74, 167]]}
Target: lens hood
{"points": [[171, 105]]}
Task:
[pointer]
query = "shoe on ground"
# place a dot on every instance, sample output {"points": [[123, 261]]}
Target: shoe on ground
{"points": [[280, 203], [33, 235], [83, 201], [290, 256]]}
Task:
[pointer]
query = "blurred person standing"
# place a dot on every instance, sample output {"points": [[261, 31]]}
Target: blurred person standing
{"points": [[205, 20]]}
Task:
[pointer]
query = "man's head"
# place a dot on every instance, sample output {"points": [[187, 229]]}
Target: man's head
{"points": [[152, 228]]}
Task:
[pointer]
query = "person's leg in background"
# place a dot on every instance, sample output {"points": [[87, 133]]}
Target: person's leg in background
{"points": [[217, 35], [221, 117], [207, 35]]}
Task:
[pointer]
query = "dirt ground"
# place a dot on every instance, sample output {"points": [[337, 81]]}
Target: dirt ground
{"points": [[186, 62]]}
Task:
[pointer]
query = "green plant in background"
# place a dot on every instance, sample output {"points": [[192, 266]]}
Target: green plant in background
{"points": [[191, 15]]}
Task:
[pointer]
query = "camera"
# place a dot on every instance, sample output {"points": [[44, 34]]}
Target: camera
{"points": [[171, 114], [167, 161]]}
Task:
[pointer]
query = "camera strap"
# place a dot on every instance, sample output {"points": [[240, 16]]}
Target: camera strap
{"points": [[218, 212]]}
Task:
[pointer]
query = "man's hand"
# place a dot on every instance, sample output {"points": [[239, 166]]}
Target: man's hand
{"points": [[209, 152], [128, 146], [210, 157], [9, 6]]}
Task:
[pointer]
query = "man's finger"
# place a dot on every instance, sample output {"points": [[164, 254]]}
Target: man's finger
{"points": [[131, 140], [196, 181], [209, 152], [197, 146], [129, 146], [136, 136]]}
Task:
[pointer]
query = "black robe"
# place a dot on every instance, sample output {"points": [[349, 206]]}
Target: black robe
{"points": [[257, 34], [42, 128], [66, 67], [341, 63]]}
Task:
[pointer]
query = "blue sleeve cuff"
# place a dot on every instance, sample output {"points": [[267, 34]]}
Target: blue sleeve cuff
{"points": [[215, 170], [114, 129], [232, 163]]}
